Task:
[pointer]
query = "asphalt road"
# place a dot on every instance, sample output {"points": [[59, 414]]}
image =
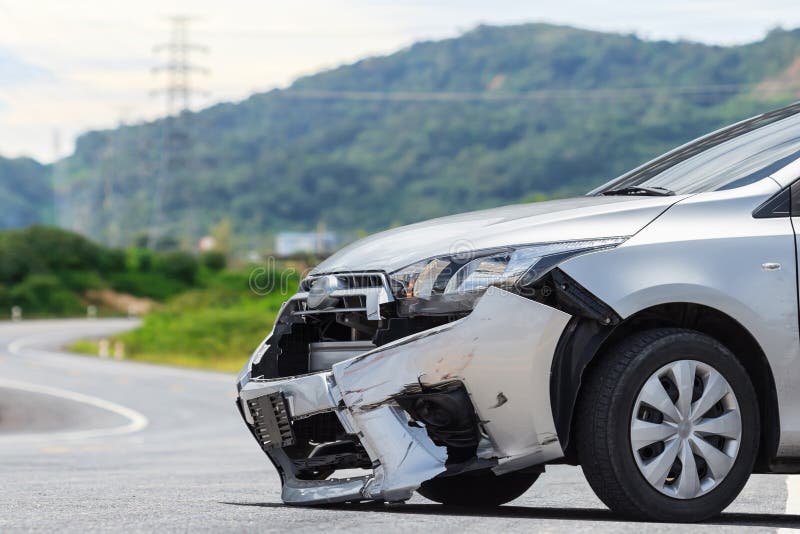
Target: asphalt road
{"points": [[89, 444]]}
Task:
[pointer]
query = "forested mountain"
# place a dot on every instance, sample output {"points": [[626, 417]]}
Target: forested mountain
{"points": [[496, 116], [26, 194]]}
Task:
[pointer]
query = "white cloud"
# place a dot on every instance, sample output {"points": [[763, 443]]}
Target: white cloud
{"points": [[15, 71]]}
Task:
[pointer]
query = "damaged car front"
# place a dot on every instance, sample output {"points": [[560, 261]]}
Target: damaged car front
{"points": [[422, 356]]}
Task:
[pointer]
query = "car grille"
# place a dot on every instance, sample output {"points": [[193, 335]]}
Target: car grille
{"points": [[359, 292], [350, 280], [271, 421]]}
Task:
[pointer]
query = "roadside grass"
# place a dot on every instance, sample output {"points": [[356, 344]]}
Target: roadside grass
{"points": [[216, 327], [86, 346]]}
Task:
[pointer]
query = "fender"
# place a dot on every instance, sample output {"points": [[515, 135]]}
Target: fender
{"points": [[685, 263], [580, 342], [583, 340]]}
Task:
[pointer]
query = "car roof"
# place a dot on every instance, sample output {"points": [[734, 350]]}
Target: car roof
{"points": [[787, 175]]}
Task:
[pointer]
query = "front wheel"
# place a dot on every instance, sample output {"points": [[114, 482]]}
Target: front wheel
{"points": [[668, 427], [479, 488]]}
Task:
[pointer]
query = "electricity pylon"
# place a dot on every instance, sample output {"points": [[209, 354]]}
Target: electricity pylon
{"points": [[176, 136]]}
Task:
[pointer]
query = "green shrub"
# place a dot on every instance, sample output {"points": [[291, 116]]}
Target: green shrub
{"points": [[214, 260], [40, 249], [5, 300], [139, 259], [40, 293], [81, 281], [180, 266], [152, 285], [235, 281], [60, 250], [111, 261], [17, 259]]}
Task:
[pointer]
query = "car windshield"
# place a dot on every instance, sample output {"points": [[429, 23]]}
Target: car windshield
{"points": [[732, 157]]}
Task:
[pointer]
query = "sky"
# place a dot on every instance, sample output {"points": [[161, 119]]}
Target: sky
{"points": [[68, 67]]}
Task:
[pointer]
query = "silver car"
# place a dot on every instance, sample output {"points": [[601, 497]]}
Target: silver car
{"points": [[647, 331]]}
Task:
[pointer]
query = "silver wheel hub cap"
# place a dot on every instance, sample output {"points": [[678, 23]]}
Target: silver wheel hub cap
{"points": [[685, 429]]}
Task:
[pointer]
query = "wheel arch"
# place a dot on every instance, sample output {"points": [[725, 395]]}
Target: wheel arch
{"points": [[585, 340]]}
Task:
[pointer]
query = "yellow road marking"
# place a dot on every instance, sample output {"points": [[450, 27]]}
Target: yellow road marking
{"points": [[54, 450]]}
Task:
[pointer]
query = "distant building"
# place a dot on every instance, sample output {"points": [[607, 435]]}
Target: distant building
{"points": [[206, 243], [321, 243]]}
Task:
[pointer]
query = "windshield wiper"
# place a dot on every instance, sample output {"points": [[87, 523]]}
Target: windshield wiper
{"points": [[640, 190]]}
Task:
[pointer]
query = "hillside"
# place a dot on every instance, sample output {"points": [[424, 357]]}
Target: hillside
{"points": [[26, 194], [495, 116]]}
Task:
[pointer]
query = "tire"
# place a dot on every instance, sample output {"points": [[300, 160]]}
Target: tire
{"points": [[478, 488], [609, 433]]}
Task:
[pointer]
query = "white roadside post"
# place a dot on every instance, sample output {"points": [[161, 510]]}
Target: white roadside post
{"points": [[16, 313], [102, 348], [119, 350]]}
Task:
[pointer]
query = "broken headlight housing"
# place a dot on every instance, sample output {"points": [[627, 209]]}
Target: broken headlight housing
{"points": [[455, 282]]}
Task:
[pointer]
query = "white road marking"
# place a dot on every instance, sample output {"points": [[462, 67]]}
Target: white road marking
{"points": [[792, 500], [17, 346], [793, 494], [137, 421]]}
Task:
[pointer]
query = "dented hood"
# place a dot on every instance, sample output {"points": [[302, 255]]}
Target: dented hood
{"points": [[585, 217]]}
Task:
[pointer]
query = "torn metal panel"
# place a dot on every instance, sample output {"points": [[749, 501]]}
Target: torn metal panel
{"points": [[297, 491], [506, 379], [478, 351], [323, 491], [404, 456], [305, 395], [447, 414]]}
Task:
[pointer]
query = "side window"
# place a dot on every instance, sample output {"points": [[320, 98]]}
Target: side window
{"points": [[784, 204], [795, 201]]}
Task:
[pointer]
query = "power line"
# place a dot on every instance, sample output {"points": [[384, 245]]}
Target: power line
{"points": [[539, 95]]}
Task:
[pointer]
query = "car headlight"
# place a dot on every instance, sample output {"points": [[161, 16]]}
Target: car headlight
{"points": [[455, 282]]}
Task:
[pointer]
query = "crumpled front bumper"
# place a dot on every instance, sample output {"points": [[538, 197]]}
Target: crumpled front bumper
{"points": [[501, 353]]}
